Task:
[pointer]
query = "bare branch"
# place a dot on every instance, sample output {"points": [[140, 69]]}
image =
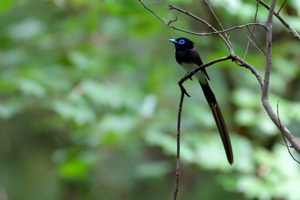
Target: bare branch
{"points": [[268, 51], [158, 17], [233, 28], [178, 143], [217, 32], [172, 7], [251, 32], [169, 24], [289, 27], [241, 62], [190, 74], [281, 131], [281, 6], [220, 24], [254, 42], [265, 98]]}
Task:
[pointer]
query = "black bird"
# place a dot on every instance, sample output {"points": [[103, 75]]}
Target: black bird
{"points": [[188, 57]]}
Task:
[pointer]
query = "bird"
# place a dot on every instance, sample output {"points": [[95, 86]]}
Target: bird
{"points": [[188, 57]]}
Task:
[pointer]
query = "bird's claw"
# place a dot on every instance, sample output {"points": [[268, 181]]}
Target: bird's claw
{"points": [[187, 75]]}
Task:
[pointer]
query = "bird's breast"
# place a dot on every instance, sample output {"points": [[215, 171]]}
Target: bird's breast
{"points": [[200, 74]]}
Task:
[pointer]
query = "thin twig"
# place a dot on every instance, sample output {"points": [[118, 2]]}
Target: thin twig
{"points": [[281, 131], [254, 42], [169, 24], [215, 32], [281, 7], [237, 27], [172, 7], [220, 24], [289, 27], [159, 18], [251, 32]]}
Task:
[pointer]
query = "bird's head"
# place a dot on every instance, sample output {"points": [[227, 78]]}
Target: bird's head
{"points": [[182, 43]]}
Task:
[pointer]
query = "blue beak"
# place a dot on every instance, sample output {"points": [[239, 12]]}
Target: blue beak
{"points": [[173, 41]]}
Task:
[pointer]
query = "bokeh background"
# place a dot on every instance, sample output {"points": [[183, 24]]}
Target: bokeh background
{"points": [[89, 100]]}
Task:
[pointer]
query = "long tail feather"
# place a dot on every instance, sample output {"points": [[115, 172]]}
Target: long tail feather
{"points": [[216, 111]]}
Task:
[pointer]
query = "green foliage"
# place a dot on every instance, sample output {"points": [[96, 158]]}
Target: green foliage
{"points": [[89, 101]]}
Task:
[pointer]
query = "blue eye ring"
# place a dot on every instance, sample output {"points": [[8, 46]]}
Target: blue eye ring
{"points": [[181, 41]]}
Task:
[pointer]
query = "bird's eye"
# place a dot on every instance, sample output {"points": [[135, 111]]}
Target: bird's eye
{"points": [[181, 41]]}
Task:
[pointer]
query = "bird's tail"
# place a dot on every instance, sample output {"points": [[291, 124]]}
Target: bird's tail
{"points": [[216, 111]]}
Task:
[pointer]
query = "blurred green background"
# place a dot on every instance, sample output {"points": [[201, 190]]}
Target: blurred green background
{"points": [[89, 100]]}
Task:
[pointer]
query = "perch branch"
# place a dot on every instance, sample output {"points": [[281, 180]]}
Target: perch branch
{"points": [[177, 181]]}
